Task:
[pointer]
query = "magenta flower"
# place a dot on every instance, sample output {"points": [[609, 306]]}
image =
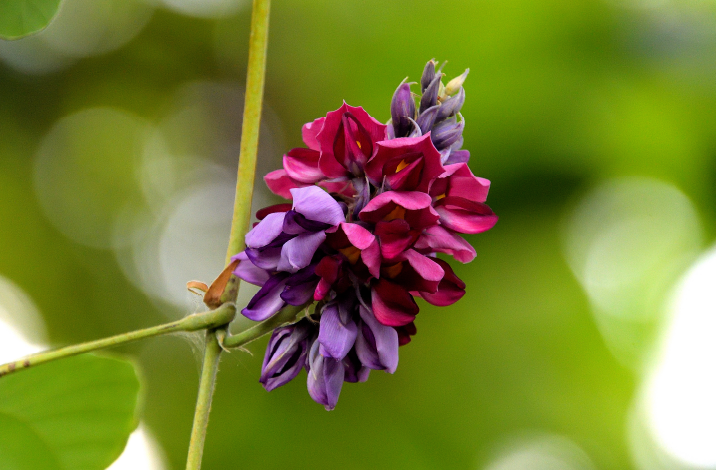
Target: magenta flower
{"points": [[346, 141], [373, 205], [405, 164]]}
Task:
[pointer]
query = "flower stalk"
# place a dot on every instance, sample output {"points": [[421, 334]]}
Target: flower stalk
{"points": [[198, 321]]}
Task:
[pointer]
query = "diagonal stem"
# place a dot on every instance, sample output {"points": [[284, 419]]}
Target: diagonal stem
{"points": [[241, 219], [199, 321]]}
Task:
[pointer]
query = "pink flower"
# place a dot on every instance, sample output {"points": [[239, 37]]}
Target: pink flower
{"points": [[405, 164], [412, 206], [347, 140], [459, 198]]}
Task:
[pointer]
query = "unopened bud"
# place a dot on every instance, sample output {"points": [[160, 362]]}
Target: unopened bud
{"points": [[427, 118], [452, 105], [430, 95], [447, 132], [402, 108], [456, 83], [428, 75]]}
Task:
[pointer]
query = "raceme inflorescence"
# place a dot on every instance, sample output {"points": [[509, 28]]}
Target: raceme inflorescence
{"points": [[372, 205]]}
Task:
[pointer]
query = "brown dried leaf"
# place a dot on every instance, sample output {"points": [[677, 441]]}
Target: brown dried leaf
{"points": [[212, 299]]}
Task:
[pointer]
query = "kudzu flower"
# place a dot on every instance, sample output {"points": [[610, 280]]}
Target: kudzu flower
{"points": [[371, 207]]}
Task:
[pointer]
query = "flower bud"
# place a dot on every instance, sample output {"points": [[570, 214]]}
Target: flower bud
{"points": [[456, 83], [430, 95], [428, 75], [427, 118], [451, 106], [447, 132], [402, 109]]}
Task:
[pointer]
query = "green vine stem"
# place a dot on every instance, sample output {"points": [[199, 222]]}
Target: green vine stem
{"points": [[250, 126], [198, 321], [240, 222], [207, 383]]}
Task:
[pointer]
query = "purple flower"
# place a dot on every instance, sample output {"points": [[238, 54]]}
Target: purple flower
{"points": [[285, 354], [402, 110], [376, 344], [338, 331], [267, 301], [325, 377], [283, 245]]}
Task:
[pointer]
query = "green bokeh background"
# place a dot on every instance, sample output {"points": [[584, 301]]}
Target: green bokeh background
{"points": [[561, 95]]}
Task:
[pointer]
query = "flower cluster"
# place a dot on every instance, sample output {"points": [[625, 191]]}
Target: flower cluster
{"points": [[372, 205]]}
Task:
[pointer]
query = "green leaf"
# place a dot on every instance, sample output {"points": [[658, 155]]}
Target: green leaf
{"points": [[19, 18], [72, 414]]}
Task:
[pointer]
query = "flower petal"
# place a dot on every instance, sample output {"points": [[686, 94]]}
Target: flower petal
{"points": [[298, 252], [328, 162], [442, 240], [358, 236], [450, 290], [392, 304], [325, 378], [300, 286], [395, 237], [281, 184], [336, 335], [301, 165], [285, 355], [267, 301], [458, 180], [405, 332], [393, 158], [264, 258], [309, 132], [458, 156], [266, 231], [376, 344], [464, 216], [388, 206], [249, 272], [423, 273], [402, 110], [372, 259], [317, 205], [328, 269], [355, 370], [296, 224], [283, 207]]}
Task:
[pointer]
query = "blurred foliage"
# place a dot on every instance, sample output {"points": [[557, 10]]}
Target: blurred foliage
{"points": [[75, 413], [18, 18], [561, 95]]}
